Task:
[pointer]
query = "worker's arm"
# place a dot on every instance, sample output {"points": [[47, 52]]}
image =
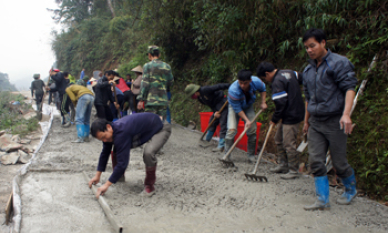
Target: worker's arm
{"points": [[346, 122], [263, 104], [306, 120]]}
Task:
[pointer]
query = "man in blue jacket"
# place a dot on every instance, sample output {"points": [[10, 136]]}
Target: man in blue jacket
{"points": [[287, 96], [130, 132], [241, 96], [329, 84]]}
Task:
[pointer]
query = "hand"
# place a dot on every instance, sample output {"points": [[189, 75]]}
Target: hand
{"points": [[263, 106], [346, 124], [116, 105], [272, 123], [102, 190], [112, 82], [140, 105], [94, 180], [217, 115], [306, 127], [248, 124], [47, 88]]}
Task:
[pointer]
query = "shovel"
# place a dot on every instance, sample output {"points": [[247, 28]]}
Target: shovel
{"points": [[205, 145], [253, 176], [227, 162]]}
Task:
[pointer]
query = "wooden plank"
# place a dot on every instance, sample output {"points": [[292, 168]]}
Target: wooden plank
{"points": [[8, 209], [104, 205]]}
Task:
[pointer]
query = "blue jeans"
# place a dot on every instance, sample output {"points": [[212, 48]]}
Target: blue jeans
{"points": [[84, 109]]}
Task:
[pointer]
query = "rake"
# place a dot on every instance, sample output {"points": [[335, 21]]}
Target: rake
{"points": [[253, 176], [228, 163]]}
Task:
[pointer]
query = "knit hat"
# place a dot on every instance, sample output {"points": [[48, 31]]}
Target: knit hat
{"points": [[191, 89], [36, 76]]}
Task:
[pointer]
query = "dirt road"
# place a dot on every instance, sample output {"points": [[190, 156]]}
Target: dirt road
{"points": [[194, 194]]}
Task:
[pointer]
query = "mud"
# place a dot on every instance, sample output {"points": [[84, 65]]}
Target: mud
{"points": [[194, 194]]}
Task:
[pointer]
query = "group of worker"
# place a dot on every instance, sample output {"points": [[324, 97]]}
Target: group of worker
{"points": [[328, 81], [329, 85]]}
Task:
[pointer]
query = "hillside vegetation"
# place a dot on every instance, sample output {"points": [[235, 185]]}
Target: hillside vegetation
{"points": [[208, 41]]}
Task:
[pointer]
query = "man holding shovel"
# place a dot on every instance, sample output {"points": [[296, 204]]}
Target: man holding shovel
{"points": [[329, 82], [130, 132], [212, 96], [289, 104], [241, 96]]}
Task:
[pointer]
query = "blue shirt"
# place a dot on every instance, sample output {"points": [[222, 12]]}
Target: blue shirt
{"points": [[236, 96], [82, 75], [128, 132]]}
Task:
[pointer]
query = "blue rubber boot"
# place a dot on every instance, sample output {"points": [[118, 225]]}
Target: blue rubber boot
{"points": [[80, 134], [323, 192], [221, 145], [86, 133], [209, 135], [350, 190]]}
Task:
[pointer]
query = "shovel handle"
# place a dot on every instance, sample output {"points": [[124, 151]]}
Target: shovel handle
{"points": [[211, 123], [262, 148], [241, 136]]}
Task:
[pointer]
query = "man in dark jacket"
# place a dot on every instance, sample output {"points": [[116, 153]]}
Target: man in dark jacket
{"points": [[37, 87], [130, 132], [61, 85], [329, 84], [212, 96], [290, 110], [103, 94]]}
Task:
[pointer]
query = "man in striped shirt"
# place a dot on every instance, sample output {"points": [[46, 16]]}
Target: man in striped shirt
{"points": [[287, 96]]}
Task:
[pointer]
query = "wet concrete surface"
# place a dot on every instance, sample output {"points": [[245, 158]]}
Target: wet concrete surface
{"points": [[194, 193]]}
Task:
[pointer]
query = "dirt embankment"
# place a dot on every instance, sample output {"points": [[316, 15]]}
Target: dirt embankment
{"points": [[194, 194]]}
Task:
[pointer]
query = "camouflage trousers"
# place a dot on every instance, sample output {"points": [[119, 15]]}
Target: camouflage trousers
{"points": [[285, 140], [158, 110]]}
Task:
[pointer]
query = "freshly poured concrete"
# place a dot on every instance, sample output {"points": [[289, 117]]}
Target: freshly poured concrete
{"points": [[194, 193]]}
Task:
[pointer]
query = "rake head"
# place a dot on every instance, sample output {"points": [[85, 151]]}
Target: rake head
{"points": [[227, 163], [255, 177]]}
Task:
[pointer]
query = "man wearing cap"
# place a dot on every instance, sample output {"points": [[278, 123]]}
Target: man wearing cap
{"points": [[37, 86], [241, 96], [83, 81], [83, 99], [157, 81], [130, 132], [212, 96]]}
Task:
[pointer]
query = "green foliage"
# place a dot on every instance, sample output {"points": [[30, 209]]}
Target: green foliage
{"points": [[209, 41], [11, 119], [5, 85]]}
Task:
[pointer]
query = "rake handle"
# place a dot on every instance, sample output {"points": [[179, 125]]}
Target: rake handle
{"points": [[241, 136], [214, 118], [262, 149]]}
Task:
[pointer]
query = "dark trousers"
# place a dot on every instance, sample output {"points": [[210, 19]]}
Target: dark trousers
{"points": [[223, 121], [104, 112], [324, 135]]}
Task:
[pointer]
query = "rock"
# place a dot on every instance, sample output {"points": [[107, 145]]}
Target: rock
{"points": [[2, 132], [11, 158], [16, 138], [192, 125], [29, 115], [24, 157], [28, 149], [25, 141], [6, 144]]}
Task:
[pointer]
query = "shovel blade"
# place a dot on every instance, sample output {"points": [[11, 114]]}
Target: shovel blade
{"points": [[302, 146], [255, 177], [227, 163]]}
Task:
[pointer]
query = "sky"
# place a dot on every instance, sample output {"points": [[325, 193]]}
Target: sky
{"points": [[25, 39]]}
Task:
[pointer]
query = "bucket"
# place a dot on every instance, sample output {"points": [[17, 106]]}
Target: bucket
{"points": [[205, 117], [243, 143]]}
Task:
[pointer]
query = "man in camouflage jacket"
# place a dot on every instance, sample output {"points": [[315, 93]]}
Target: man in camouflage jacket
{"points": [[157, 81]]}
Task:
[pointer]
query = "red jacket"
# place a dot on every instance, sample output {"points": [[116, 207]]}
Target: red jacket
{"points": [[122, 85]]}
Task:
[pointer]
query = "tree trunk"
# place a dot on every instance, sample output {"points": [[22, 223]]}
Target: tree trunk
{"points": [[111, 8]]}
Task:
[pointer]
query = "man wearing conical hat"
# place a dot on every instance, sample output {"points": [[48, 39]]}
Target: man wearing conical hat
{"points": [[157, 81], [135, 87]]}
